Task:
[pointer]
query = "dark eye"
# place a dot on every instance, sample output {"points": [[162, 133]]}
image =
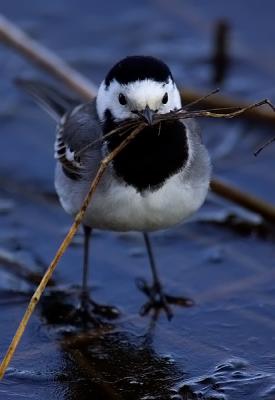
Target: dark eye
{"points": [[122, 99], [165, 98]]}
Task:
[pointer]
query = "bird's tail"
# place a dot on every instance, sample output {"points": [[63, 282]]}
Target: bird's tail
{"points": [[53, 101]]}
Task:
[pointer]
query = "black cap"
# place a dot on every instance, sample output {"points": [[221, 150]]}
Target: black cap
{"points": [[135, 68]]}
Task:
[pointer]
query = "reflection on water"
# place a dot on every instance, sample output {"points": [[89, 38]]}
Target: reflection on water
{"points": [[223, 347], [113, 363], [119, 366], [110, 362]]}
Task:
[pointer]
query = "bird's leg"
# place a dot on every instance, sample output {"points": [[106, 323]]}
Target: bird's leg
{"points": [[88, 307], [86, 300], [158, 299], [85, 275]]}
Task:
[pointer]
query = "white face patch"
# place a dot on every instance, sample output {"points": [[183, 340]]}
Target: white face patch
{"points": [[138, 95]]}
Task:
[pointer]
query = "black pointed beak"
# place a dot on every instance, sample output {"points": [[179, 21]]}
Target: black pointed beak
{"points": [[148, 115]]}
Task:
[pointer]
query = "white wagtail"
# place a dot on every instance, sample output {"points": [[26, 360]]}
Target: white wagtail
{"points": [[157, 181]]}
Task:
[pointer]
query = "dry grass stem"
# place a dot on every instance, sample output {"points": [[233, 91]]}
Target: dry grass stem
{"points": [[183, 113], [16, 38], [263, 146], [13, 36], [245, 200], [61, 250], [257, 115]]}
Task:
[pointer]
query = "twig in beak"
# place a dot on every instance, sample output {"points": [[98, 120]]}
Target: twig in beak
{"points": [[200, 99], [263, 146]]}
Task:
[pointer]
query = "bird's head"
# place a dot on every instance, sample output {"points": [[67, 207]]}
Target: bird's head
{"points": [[137, 85]]}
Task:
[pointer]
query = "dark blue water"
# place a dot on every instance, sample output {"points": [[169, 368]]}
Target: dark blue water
{"points": [[224, 258]]}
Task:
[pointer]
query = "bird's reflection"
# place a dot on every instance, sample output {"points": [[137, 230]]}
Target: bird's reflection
{"points": [[110, 362]]}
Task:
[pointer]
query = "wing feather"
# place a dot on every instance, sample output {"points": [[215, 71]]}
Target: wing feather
{"points": [[75, 132]]}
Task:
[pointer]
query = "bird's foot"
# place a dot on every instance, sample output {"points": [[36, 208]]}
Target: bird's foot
{"points": [[159, 300], [88, 312]]}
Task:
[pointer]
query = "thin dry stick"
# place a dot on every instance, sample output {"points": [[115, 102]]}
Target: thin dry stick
{"points": [[201, 98], [49, 61], [221, 101], [252, 203], [13, 36], [16, 38], [61, 250], [29, 48], [263, 146], [183, 114]]}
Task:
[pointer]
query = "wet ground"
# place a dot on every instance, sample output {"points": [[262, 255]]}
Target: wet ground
{"points": [[224, 258]]}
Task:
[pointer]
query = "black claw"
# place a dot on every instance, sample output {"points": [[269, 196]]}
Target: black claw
{"points": [[144, 310], [156, 306], [159, 300], [168, 311], [100, 309], [88, 312]]}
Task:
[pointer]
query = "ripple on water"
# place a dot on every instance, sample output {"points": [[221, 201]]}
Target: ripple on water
{"points": [[229, 381]]}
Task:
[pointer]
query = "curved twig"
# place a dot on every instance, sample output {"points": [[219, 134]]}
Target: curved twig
{"points": [[61, 250]]}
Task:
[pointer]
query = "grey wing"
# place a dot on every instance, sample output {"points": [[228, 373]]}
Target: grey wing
{"points": [[199, 169], [78, 145], [194, 128]]}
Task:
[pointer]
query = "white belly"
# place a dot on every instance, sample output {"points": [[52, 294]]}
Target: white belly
{"points": [[122, 208]]}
